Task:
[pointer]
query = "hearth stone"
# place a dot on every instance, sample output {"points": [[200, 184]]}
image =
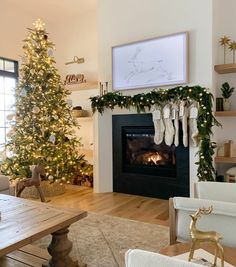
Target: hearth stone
{"points": [[141, 167]]}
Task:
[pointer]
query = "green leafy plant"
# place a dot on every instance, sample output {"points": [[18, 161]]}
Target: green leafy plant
{"points": [[226, 90]]}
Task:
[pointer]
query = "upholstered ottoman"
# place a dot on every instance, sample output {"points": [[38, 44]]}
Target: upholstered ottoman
{"points": [[4, 185]]}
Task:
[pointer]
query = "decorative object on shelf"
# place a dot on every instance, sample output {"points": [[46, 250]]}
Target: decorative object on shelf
{"points": [[198, 236], [219, 104], [224, 41], [227, 150], [103, 88], [74, 79], [231, 175], [79, 112], [220, 178], [154, 62], [226, 93], [76, 60], [144, 102], [232, 47]]}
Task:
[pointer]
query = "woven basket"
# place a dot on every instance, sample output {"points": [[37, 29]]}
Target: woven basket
{"points": [[80, 113], [49, 190]]}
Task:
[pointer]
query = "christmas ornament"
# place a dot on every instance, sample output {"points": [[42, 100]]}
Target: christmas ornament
{"points": [[10, 116], [26, 119], [36, 110], [52, 138], [50, 52], [23, 92], [50, 178]]}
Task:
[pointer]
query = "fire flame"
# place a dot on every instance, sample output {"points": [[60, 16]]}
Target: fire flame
{"points": [[155, 158]]}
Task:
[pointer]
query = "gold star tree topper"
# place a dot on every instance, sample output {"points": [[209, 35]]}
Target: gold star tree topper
{"points": [[39, 25]]}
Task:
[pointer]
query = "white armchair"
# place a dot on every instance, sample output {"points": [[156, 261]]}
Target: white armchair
{"points": [[4, 185], [222, 219], [216, 191], [142, 258]]}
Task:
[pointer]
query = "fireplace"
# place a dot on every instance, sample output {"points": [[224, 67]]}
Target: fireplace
{"points": [[140, 166]]}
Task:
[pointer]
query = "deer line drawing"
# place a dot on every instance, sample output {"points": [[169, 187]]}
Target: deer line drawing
{"points": [[198, 236]]}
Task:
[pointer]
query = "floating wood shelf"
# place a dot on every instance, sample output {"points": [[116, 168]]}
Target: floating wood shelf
{"points": [[230, 113], [82, 86], [89, 118], [225, 68], [225, 160]]}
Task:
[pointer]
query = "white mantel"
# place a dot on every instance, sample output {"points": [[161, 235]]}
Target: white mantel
{"points": [[103, 166]]}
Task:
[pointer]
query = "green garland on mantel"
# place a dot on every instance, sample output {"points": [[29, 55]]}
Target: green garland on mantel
{"points": [[143, 102]]}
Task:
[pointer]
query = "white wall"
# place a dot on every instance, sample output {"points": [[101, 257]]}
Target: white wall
{"points": [[77, 36], [73, 33], [126, 21], [86, 129]]}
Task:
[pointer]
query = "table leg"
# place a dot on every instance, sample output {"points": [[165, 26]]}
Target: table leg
{"points": [[59, 249]]}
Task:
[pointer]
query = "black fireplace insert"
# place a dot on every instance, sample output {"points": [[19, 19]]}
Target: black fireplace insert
{"points": [[140, 166]]}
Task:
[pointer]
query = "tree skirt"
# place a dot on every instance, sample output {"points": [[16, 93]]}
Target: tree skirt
{"points": [[101, 240], [49, 189]]}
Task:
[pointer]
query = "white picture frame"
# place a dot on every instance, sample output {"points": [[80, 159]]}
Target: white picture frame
{"points": [[150, 63]]}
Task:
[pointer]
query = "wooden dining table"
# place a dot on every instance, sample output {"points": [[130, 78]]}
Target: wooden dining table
{"points": [[25, 221]]}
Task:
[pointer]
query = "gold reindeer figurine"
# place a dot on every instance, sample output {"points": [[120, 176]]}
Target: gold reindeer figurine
{"points": [[198, 236]]}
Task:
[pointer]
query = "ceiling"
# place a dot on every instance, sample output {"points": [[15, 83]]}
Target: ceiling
{"points": [[47, 7]]}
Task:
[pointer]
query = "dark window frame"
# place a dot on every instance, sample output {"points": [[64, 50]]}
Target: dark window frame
{"points": [[9, 74]]}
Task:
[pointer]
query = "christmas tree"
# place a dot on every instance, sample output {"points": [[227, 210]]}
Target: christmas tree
{"points": [[42, 129]]}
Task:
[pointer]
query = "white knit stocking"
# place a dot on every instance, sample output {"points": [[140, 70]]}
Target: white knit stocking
{"points": [[158, 126], [169, 128], [193, 115], [175, 117], [183, 114]]}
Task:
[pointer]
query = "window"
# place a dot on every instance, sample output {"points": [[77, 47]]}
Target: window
{"points": [[8, 80]]}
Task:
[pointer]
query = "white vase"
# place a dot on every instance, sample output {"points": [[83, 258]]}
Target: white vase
{"points": [[226, 104]]}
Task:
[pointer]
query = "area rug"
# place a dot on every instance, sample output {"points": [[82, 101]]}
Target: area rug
{"points": [[101, 240]]}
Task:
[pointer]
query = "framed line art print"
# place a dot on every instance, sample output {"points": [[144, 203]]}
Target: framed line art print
{"points": [[150, 63]]}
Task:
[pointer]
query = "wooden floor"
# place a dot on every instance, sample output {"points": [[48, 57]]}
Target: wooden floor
{"points": [[145, 209]]}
